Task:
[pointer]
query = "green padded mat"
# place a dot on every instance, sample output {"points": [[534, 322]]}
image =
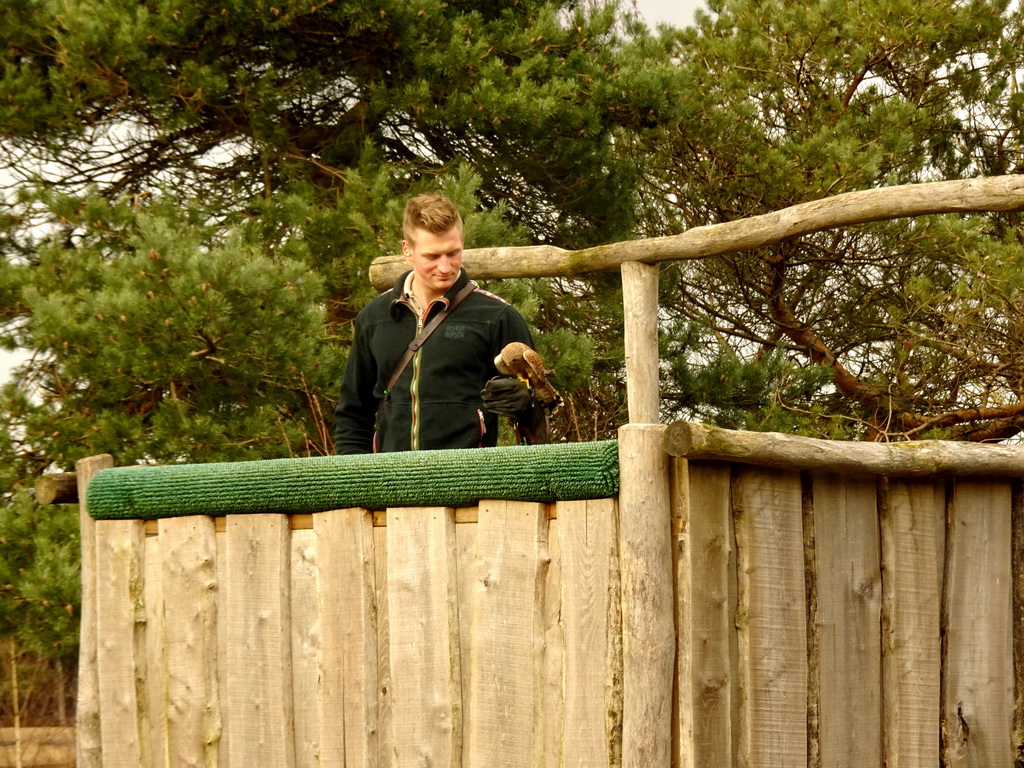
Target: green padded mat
{"points": [[455, 478]]}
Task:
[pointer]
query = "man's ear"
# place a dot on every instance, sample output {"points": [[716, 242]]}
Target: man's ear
{"points": [[407, 250]]}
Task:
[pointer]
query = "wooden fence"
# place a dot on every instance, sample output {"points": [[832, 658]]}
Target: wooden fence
{"points": [[717, 613], [39, 747]]}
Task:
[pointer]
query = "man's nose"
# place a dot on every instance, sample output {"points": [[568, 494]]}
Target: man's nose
{"points": [[444, 264]]}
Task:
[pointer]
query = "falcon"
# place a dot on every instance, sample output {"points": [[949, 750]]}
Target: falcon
{"points": [[517, 359]]}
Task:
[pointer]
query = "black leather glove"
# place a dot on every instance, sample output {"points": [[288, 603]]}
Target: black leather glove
{"points": [[506, 395], [533, 426]]}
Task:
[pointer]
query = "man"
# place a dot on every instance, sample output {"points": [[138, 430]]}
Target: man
{"points": [[436, 401]]}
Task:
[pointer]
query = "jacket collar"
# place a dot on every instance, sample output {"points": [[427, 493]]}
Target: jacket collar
{"points": [[398, 291]]}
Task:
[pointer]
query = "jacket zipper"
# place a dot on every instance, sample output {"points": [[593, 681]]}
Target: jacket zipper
{"points": [[414, 391], [414, 384]]}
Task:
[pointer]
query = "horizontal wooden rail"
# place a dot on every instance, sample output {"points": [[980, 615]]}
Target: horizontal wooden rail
{"points": [[59, 488], [994, 193], [920, 458]]}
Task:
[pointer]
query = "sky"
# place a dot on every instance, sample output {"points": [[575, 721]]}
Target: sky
{"points": [[7, 361], [676, 12]]}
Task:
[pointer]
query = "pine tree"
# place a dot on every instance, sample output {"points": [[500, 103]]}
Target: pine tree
{"points": [[193, 192], [283, 137], [915, 321]]}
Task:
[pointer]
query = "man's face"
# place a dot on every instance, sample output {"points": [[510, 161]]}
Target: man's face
{"points": [[436, 260]]}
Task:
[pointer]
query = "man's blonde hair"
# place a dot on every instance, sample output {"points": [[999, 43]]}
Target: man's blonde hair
{"points": [[433, 212]]}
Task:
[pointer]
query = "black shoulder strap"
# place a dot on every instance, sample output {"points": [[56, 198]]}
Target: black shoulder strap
{"points": [[429, 329]]}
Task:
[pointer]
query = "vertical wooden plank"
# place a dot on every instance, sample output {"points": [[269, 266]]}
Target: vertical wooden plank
{"points": [[348, 668], [552, 715], [121, 652], [616, 662], [385, 731], [589, 550], [648, 609], [911, 568], [771, 618], [193, 712], [507, 650], [683, 755], [814, 670], [223, 597], [88, 745], [1017, 568], [978, 664], [258, 680], [640, 338], [465, 553], [706, 573], [156, 688], [847, 560], [306, 635], [426, 668]]}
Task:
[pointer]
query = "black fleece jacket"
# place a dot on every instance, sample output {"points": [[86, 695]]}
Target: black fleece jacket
{"points": [[436, 402]]}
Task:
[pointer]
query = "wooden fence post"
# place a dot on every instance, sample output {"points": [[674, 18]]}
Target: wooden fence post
{"points": [[88, 748], [640, 311], [648, 612]]}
